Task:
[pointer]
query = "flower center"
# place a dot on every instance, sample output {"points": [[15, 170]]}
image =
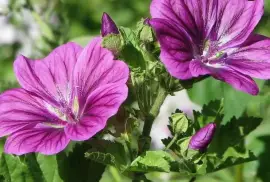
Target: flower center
{"points": [[211, 55], [65, 112]]}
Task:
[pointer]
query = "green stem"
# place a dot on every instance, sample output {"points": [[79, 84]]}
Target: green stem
{"points": [[115, 174], [145, 139], [162, 94], [172, 142], [239, 173]]}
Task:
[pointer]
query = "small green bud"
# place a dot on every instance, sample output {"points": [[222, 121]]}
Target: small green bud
{"points": [[145, 31], [113, 42], [179, 123]]}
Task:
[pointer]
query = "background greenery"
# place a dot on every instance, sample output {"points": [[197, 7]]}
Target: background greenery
{"points": [[38, 26]]}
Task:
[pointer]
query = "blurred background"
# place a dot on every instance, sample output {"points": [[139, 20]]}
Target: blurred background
{"points": [[34, 27]]}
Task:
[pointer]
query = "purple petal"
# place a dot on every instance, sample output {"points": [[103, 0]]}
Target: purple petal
{"points": [[176, 48], [256, 69], [96, 67], [103, 103], [20, 109], [236, 20], [197, 17], [238, 80], [253, 58], [253, 38], [47, 141], [49, 77], [197, 68]]}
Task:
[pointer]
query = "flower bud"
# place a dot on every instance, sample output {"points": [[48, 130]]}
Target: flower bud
{"points": [[146, 33], [108, 26], [203, 137]]}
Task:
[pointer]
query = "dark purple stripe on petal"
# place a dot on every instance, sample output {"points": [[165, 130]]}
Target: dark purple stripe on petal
{"points": [[47, 141]]}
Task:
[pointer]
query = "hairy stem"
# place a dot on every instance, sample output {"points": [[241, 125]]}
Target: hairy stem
{"points": [[145, 139], [172, 142], [162, 94]]}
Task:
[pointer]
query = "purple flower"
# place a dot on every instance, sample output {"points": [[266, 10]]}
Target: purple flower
{"points": [[213, 37], [203, 137], [66, 96], [108, 26]]}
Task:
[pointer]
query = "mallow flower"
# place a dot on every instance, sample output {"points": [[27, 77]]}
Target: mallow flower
{"points": [[213, 37], [69, 95], [203, 137]]}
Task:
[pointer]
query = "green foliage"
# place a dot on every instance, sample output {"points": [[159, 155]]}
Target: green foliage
{"points": [[131, 52], [212, 112], [227, 148], [34, 167], [74, 166], [263, 170], [152, 161], [49, 168], [12, 169], [58, 168], [235, 102], [233, 133], [103, 158], [117, 154]]}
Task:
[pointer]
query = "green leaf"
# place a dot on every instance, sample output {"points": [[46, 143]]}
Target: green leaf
{"points": [[131, 52], [233, 133], [233, 156], [49, 167], [75, 167], [205, 91], [103, 158], [13, 170], [110, 153], [34, 168], [212, 112], [263, 170], [152, 161], [235, 102]]}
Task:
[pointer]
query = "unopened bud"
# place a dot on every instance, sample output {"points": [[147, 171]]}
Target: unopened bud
{"points": [[108, 26], [203, 137], [146, 33]]}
